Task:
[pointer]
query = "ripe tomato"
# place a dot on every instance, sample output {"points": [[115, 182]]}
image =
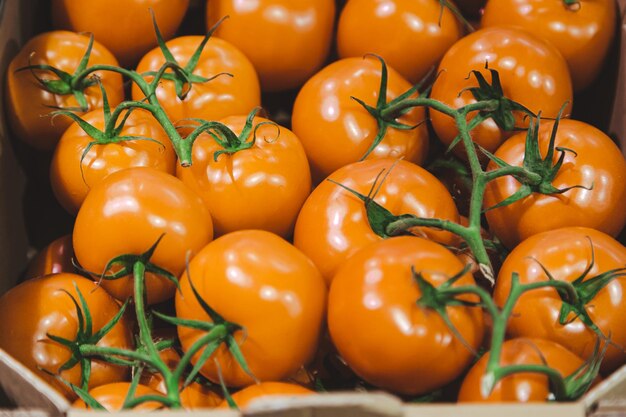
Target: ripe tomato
{"points": [[124, 26], [522, 387], [41, 306], [126, 212], [112, 397], [373, 314], [196, 396], [54, 258], [29, 105], [410, 35], [333, 224], [72, 178], [284, 297], [262, 187], [532, 72], [582, 32], [222, 96], [335, 130], [249, 394], [566, 253], [597, 165], [286, 40]]}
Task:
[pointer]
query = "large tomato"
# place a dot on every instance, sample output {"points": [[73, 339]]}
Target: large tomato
{"points": [[522, 387], [410, 35], [262, 187], [42, 306], [29, 105], [566, 254], [380, 330], [286, 40], [124, 26], [596, 163], [333, 223], [284, 297], [126, 213], [336, 130], [73, 172], [532, 72], [213, 100], [249, 394], [54, 258], [582, 32], [112, 397]]}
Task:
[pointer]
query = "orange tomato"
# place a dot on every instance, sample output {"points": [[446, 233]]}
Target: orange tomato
{"points": [[286, 40], [213, 100], [284, 297], [29, 106], [112, 397], [333, 224], [126, 212], [249, 394], [582, 32], [410, 35], [54, 258], [73, 172], [335, 130], [532, 72], [124, 26], [262, 187]]}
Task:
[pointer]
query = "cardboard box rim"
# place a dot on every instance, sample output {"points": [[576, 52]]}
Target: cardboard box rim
{"points": [[32, 393]]}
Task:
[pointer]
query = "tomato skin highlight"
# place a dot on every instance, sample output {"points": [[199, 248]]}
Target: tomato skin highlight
{"points": [[29, 106], [247, 395], [280, 297], [373, 314], [53, 259], [598, 165], [38, 307], [126, 213]]}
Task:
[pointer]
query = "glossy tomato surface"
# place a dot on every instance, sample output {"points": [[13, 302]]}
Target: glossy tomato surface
{"points": [[582, 32], [124, 26], [42, 306], [113, 396], [73, 172], [379, 329], [524, 386], [566, 254], [54, 258], [596, 164], [333, 223], [29, 106], [286, 40], [280, 302], [126, 213], [253, 392], [336, 130], [410, 35], [532, 73], [262, 187], [212, 100]]}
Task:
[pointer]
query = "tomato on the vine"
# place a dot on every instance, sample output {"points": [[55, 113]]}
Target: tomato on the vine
{"points": [[249, 394], [54, 258], [113, 396]]}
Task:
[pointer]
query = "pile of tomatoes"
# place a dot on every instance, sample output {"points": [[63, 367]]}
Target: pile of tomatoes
{"points": [[419, 213]]}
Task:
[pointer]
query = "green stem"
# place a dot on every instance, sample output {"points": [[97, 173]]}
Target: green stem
{"points": [[219, 332]]}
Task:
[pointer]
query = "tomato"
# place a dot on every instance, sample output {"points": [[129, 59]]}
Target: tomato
{"points": [[284, 297], [126, 213], [250, 394], [582, 32], [72, 175], [532, 73], [112, 397], [287, 41], [336, 130], [222, 96], [124, 26], [29, 105], [262, 187], [597, 165], [196, 396], [41, 306], [381, 331], [521, 387], [566, 253], [410, 35], [54, 258], [333, 224]]}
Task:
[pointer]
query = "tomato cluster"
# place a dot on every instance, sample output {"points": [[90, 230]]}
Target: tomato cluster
{"points": [[418, 213]]}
